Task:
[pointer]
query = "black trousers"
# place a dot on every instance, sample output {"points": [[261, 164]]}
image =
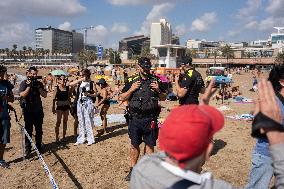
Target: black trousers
{"points": [[33, 119]]}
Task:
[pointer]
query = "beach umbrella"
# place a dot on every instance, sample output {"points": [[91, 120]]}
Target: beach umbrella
{"points": [[59, 73], [72, 70]]}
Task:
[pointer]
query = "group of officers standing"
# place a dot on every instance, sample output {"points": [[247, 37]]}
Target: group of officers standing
{"points": [[142, 92]]}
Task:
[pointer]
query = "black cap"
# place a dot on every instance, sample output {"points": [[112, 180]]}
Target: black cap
{"points": [[144, 62], [32, 68], [187, 60], [101, 81], [3, 68]]}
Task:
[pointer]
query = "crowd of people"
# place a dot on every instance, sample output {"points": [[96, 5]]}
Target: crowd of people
{"points": [[185, 137]]}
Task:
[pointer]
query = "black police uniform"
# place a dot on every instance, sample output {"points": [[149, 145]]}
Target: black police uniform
{"points": [[193, 82], [143, 111], [33, 112]]}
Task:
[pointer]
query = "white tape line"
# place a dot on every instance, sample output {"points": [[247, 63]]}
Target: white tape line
{"points": [[45, 167]]}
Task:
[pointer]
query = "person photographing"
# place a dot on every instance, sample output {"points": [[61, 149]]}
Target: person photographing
{"points": [[6, 95], [31, 90]]}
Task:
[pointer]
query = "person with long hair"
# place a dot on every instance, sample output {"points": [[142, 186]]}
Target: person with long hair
{"points": [[103, 100], [85, 108], [61, 105]]}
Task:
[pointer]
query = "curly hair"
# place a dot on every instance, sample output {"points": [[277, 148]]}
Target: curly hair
{"points": [[275, 75]]}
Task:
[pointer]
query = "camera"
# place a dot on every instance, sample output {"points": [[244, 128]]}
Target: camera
{"points": [[34, 81]]}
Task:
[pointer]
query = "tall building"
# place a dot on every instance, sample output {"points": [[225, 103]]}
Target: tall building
{"points": [[58, 40], [161, 34], [77, 42], [277, 39], [133, 44]]}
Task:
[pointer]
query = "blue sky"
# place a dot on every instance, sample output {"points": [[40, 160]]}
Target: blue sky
{"points": [[228, 20]]}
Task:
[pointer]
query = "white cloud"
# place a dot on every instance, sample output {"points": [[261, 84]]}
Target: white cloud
{"points": [[234, 33], [249, 10], [42, 7], [275, 8], [140, 2], [181, 29], [204, 23], [16, 33], [251, 25], [14, 12], [119, 28], [156, 13], [98, 35], [65, 26]]}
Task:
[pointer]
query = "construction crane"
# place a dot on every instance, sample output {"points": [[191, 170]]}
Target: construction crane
{"points": [[85, 29]]}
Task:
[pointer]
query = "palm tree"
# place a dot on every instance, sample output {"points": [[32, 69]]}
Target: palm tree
{"points": [[279, 58], [214, 53], [227, 52]]}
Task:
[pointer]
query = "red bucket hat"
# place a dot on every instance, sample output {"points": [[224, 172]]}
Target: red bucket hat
{"points": [[188, 130]]}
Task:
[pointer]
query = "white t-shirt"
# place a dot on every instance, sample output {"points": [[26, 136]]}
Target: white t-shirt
{"points": [[85, 84]]}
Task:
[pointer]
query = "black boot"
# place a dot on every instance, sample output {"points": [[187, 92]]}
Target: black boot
{"points": [[128, 177]]}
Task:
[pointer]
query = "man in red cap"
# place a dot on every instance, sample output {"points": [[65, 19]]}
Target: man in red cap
{"points": [[186, 143]]}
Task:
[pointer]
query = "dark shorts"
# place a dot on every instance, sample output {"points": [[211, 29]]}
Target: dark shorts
{"points": [[5, 131], [139, 130], [63, 108]]}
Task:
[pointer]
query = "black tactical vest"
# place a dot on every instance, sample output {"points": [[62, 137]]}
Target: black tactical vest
{"points": [[144, 101]]}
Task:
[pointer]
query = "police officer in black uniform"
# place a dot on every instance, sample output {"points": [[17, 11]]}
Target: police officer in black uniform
{"points": [[143, 92], [189, 83]]}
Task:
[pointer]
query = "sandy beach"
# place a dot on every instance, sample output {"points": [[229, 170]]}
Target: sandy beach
{"points": [[105, 164]]}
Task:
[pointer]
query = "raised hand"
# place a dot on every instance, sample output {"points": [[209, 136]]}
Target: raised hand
{"points": [[209, 92]]}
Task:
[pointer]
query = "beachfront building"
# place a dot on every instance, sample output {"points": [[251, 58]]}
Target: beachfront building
{"points": [[201, 44], [161, 34], [133, 45], [259, 43], [57, 40], [277, 39]]}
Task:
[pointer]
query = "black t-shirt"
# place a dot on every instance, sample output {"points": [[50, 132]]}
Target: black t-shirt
{"points": [[33, 99], [193, 82]]}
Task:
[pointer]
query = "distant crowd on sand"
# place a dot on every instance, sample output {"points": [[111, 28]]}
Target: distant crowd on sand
{"points": [[185, 137]]}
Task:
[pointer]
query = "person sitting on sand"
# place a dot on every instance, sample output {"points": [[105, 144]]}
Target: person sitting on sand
{"points": [[235, 92], [61, 105], [103, 99]]}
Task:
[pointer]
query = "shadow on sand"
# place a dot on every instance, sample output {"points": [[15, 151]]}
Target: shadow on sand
{"points": [[218, 145]]}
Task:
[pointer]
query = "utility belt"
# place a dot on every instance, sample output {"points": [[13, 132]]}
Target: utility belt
{"points": [[142, 115]]}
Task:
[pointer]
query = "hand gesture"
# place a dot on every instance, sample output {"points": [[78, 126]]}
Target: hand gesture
{"points": [[135, 86], [154, 85], [209, 92], [268, 105], [177, 78]]}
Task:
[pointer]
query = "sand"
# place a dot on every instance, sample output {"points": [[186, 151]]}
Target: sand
{"points": [[105, 164]]}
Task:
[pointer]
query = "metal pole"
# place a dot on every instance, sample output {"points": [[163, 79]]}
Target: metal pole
{"points": [[85, 39]]}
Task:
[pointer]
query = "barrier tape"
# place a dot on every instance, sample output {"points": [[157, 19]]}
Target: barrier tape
{"points": [[45, 167]]}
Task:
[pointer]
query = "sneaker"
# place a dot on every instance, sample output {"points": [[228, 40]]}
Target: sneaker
{"points": [[89, 144], [4, 164], [127, 178], [77, 143]]}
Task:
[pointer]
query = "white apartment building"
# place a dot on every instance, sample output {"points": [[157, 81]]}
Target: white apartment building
{"points": [[58, 40], [277, 39], [161, 34]]}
